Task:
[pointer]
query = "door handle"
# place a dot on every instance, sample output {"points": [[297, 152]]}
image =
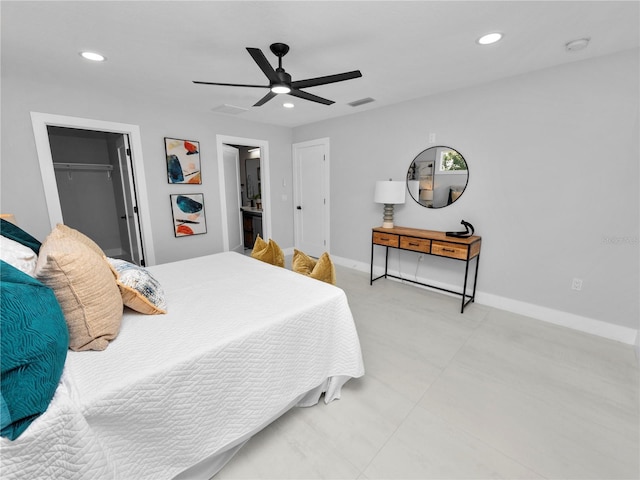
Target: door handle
{"points": [[123, 217], [299, 207]]}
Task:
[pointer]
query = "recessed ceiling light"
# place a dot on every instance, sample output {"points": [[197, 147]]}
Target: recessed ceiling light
{"points": [[575, 45], [489, 38], [288, 105], [93, 56]]}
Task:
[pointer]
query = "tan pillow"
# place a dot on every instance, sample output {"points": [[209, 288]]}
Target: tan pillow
{"points": [[85, 287], [268, 252], [321, 269], [66, 231]]}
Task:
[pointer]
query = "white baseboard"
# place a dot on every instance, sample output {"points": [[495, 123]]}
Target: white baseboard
{"points": [[565, 319], [577, 322]]}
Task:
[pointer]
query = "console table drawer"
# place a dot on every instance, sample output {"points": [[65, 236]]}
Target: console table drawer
{"points": [[451, 250], [415, 244], [388, 239]]}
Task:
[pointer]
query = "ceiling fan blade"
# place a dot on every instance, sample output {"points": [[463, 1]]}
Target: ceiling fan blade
{"points": [[340, 77], [264, 64], [309, 96], [265, 99], [231, 84]]}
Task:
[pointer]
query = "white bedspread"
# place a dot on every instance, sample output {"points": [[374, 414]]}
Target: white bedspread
{"points": [[242, 340]]}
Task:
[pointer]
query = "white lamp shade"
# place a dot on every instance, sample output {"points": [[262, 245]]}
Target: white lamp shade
{"points": [[389, 192]]}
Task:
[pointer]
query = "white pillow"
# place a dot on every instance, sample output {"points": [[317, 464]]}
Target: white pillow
{"points": [[17, 255]]}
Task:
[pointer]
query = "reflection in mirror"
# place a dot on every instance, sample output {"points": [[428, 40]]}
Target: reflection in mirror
{"points": [[254, 189], [437, 177]]}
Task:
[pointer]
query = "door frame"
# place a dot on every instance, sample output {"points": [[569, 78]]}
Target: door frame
{"points": [[40, 122], [139, 257], [327, 193], [238, 197], [265, 183]]}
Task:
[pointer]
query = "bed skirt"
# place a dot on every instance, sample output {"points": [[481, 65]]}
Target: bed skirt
{"points": [[213, 464]]}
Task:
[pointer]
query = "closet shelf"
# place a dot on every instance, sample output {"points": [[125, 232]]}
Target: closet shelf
{"points": [[83, 166]]}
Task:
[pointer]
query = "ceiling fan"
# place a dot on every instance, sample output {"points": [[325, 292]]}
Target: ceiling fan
{"points": [[280, 81]]}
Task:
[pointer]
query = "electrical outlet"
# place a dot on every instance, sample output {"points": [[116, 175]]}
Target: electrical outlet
{"points": [[576, 284], [432, 138]]}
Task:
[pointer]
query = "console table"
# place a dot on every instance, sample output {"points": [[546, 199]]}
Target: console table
{"points": [[429, 242]]}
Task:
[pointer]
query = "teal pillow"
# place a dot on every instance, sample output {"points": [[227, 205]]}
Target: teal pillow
{"points": [[34, 341], [9, 230]]}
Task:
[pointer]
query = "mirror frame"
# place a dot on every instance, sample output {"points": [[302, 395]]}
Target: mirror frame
{"points": [[430, 175]]}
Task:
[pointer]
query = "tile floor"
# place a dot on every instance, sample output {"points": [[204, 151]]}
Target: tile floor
{"points": [[487, 394]]}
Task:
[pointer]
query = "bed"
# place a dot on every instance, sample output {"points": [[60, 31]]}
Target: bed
{"points": [[176, 395]]}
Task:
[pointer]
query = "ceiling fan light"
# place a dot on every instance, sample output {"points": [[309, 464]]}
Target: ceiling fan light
{"points": [[280, 89], [490, 38], [93, 56]]}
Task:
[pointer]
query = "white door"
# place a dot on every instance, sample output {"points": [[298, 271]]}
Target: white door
{"points": [[230, 159], [311, 196], [130, 200]]}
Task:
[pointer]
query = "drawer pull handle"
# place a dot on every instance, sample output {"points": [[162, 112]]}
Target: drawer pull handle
{"points": [[414, 244], [448, 250]]}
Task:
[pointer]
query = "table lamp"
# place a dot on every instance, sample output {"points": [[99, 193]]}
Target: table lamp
{"points": [[390, 193]]}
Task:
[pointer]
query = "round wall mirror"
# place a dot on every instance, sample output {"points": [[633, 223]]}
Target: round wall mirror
{"points": [[437, 177]]}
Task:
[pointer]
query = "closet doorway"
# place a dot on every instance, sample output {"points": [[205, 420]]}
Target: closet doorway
{"points": [[96, 189], [93, 179]]}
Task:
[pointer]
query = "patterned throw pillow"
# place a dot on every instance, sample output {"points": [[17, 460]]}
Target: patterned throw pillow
{"points": [[268, 252], [321, 269], [139, 289]]}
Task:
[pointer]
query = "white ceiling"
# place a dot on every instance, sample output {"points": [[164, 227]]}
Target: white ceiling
{"points": [[404, 49]]}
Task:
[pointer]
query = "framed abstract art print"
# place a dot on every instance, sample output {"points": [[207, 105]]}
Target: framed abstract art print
{"points": [[183, 161], [188, 214]]}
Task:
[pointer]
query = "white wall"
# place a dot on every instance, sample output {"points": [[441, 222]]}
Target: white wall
{"points": [[553, 187], [553, 184], [21, 186]]}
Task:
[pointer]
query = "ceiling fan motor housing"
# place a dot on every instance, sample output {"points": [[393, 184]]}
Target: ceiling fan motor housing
{"points": [[283, 76]]}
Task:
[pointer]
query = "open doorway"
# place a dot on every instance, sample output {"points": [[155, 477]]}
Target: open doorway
{"points": [[250, 194], [244, 191], [96, 189], [129, 172]]}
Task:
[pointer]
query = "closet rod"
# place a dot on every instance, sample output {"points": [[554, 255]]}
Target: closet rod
{"points": [[83, 166]]}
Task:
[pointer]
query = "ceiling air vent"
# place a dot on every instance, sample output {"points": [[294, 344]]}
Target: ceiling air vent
{"points": [[362, 101], [230, 109]]}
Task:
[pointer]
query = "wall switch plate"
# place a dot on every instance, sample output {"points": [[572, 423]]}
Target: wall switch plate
{"points": [[432, 138], [576, 284]]}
